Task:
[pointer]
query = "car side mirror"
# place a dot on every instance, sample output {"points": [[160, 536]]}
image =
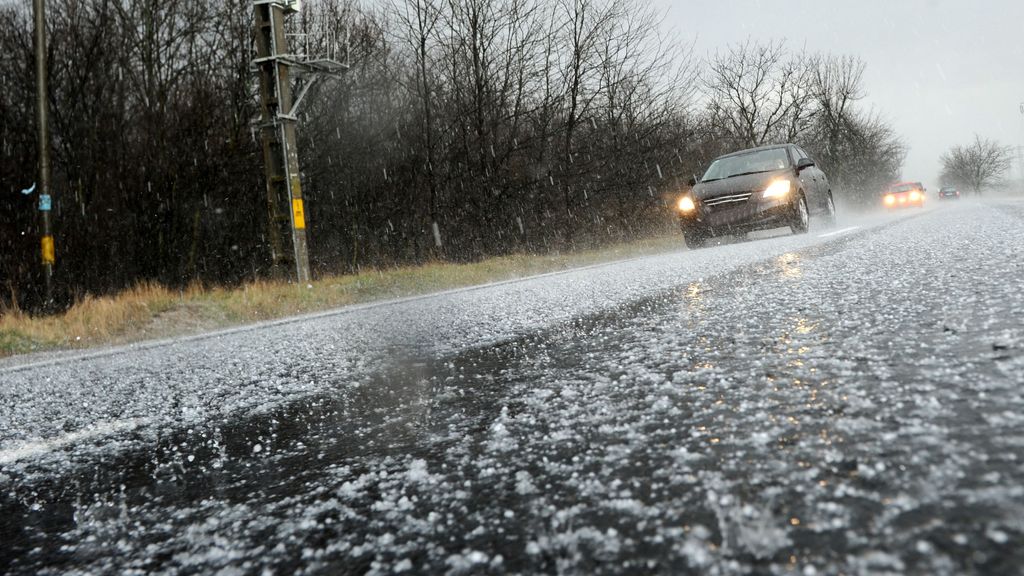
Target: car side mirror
{"points": [[803, 163], [692, 181]]}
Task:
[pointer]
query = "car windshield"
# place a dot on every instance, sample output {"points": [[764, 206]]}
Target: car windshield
{"points": [[748, 163], [904, 188]]}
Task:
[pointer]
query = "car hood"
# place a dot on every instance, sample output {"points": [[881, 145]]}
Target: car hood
{"points": [[737, 184]]}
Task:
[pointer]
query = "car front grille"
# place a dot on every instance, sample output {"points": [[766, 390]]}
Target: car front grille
{"points": [[731, 198]]}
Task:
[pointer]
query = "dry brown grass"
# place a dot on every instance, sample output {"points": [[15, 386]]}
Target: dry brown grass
{"points": [[90, 321], [150, 310]]}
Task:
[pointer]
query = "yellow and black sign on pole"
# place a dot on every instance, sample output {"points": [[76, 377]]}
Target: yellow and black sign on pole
{"points": [[298, 214], [48, 251]]}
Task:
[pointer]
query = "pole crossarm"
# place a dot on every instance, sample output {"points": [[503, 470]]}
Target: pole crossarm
{"points": [[287, 6], [311, 71]]}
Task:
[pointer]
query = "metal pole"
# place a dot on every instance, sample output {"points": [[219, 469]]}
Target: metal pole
{"points": [[46, 242]]}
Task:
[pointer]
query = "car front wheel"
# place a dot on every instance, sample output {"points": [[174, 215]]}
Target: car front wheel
{"points": [[801, 221]]}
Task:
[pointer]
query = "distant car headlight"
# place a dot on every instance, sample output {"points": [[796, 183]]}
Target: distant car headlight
{"points": [[686, 204], [890, 199], [777, 189]]}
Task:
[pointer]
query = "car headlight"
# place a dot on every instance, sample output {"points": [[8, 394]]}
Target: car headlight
{"points": [[686, 204], [915, 196], [777, 189], [890, 199]]}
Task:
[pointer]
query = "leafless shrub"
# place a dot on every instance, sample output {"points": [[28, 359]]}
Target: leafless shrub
{"points": [[976, 166]]}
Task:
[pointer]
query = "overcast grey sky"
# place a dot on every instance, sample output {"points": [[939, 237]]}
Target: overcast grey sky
{"points": [[939, 70]]}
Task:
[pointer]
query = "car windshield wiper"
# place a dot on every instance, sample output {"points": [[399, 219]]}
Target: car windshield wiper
{"points": [[748, 173], [741, 174]]}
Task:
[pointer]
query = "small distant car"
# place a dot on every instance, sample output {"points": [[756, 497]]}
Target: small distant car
{"points": [[949, 193], [904, 195], [755, 189]]}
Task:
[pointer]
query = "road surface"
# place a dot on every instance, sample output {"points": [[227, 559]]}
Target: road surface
{"points": [[846, 401]]}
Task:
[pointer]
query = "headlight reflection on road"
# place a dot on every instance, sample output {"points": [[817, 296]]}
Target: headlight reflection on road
{"points": [[694, 293], [789, 266], [796, 351], [804, 326], [693, 310], [693, 297]]}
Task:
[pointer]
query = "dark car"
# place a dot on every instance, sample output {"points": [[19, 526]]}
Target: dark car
{"points": [[949, 193], [756, 189]]}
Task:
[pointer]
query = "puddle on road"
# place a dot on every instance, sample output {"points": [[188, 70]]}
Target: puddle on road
{"points": [[268, 455]]}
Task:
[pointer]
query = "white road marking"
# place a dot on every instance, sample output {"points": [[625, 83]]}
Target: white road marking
{"points": [[838, 232]]}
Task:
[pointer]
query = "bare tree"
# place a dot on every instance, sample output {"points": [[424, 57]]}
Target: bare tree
{"points": [[759, 93], [583, 22], [977, 165], [869, 156], [858, 150], [836, 86], [416, 24], [644, 86]]}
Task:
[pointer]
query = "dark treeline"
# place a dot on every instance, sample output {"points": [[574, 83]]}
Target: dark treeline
{"points": [[155, 168], [463, 128]]}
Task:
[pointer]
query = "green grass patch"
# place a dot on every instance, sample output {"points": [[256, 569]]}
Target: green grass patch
{"points": [[14, 342]]}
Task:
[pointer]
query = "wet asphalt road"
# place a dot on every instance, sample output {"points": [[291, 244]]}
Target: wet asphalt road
{"points": [[850, 401]]}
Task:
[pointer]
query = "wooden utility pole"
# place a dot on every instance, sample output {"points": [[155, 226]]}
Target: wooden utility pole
{"points": [[42, 120], [277, 127], [277, 69]]}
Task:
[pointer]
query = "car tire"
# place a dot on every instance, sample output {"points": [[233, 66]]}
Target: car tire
{"points": [[830, 211], [801, 219]]}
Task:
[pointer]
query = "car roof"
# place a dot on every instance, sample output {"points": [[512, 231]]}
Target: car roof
{"points": [[757, 149]]}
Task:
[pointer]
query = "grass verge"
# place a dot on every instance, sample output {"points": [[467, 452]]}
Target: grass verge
{"points": [[149, 310]]}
